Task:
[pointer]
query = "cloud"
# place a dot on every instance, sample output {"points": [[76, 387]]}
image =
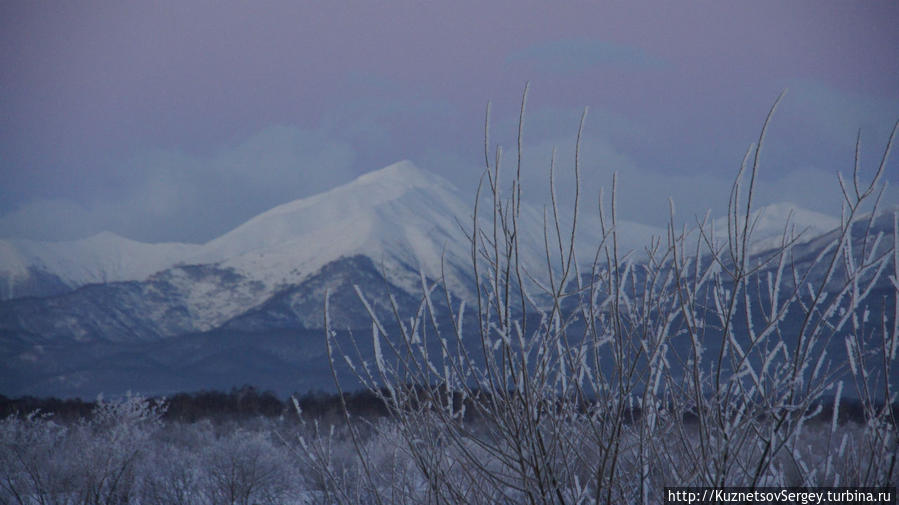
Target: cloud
{"points": [[49, 219], [643, 192], [817, 125], [166, 195], [573, 56], [179, 194], [194, 194]]}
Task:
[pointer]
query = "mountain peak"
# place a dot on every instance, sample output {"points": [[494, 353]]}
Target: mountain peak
{"points": [[770, 221], [403, 173], [104, 237], [398, 211], [777, 214], [365, 191]]}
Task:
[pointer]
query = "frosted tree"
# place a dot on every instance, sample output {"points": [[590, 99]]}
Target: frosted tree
{"points": [[604, 379]]}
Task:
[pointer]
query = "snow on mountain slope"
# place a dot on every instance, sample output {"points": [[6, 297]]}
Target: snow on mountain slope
{"points": [[400, 216], [771, 221], [105, 257]]}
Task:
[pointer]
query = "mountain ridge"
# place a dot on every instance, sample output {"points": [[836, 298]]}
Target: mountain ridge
{"points": [[293, 236], [398, 215], [263, 284]]}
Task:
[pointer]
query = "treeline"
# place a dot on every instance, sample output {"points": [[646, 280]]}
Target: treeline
{"points": [[248, 402], [243, 403]]}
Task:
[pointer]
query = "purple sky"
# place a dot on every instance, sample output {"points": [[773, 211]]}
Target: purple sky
{"points": [[180, 120]]}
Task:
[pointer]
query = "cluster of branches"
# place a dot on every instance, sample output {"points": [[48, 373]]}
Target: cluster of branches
{"points": [[604, 379]]}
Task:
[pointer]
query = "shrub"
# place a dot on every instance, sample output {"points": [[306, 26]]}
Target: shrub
{"points": [[124, 454], [93, 461], [604, 379]]}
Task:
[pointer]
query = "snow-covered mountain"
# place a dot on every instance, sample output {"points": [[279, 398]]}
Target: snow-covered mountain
{"points": [[397, 222], [385, 228], [72, 311], [770, 222], [32, 268], [401, 217]]}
